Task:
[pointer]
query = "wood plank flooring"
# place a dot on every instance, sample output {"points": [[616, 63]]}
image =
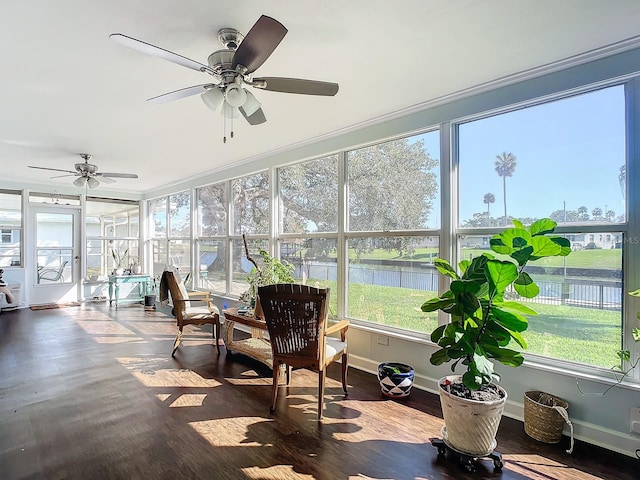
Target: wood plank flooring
{"points": [[91, 393]]}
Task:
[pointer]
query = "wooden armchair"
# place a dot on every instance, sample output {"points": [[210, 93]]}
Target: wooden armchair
{"points": [[296, 317], [183, 310]]}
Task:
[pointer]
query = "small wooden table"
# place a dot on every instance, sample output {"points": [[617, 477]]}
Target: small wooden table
{"points": [[115, 281], [257, 346]]}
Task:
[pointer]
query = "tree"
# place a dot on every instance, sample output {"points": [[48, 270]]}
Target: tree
{"points": [[391, 187], [505, 165], [488, 199], [609, 215], [596, 213], [622, 180], [583, 214]]}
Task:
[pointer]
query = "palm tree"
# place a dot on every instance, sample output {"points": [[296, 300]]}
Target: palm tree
{"points": [[622, 179], [489, 199], [505, 166]]}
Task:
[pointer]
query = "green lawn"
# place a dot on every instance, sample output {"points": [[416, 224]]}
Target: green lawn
{"points": [[582, 335]]}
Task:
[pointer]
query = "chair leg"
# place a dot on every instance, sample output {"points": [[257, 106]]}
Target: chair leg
{"points": [[288, 378], [274, 390], [215, 327], [321, 377], [177, 342], [345, 365]]}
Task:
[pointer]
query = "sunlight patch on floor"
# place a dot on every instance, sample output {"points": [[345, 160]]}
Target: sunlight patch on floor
{"points": [[119, 340], [104, 328], [537, 467], [189, 400], [232, 432], [276, 471], [150, 372]]}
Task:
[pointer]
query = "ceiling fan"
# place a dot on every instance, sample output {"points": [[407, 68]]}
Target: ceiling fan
{"points": [[233, 67], [87, 173]]}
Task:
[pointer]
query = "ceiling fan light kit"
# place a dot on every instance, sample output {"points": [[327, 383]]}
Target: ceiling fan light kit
{"points": [[87, 173], [232, 68], [213, 98]]}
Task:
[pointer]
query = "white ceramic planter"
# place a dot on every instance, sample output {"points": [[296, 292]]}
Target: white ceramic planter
{"points": [[470, 425]]}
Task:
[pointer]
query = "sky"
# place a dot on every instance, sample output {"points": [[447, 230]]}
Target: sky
{"points": [[569, 150]]}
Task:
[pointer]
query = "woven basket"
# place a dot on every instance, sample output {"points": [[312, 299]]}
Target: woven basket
{"points": [[542, 421]]}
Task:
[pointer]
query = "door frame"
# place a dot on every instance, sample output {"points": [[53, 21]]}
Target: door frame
{"points": [[53, 292]]}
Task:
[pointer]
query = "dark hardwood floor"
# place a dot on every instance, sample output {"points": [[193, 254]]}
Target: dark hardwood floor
{"points": [[91, 393]]}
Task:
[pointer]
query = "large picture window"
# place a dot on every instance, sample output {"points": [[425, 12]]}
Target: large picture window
{"points": [[393, 237], [565, 160]]}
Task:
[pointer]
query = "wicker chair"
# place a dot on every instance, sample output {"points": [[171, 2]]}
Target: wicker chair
{"points": [[296, 317], [187, 315]]}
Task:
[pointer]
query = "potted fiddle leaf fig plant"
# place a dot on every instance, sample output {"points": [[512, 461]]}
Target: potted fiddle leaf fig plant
{"points": [[484, 321]]}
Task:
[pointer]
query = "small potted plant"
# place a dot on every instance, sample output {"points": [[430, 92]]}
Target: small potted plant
{"points": [[268, 271], [152, 291], [483, 323], [119, 260]]}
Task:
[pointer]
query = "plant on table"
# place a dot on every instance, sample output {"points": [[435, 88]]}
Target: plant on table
{"points": [[268, 271]]}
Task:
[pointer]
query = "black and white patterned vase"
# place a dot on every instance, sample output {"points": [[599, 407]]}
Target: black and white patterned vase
{"points": [[396, 379]]}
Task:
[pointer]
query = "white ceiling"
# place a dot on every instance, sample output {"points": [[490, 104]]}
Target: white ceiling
{"points": [[66, 88]]}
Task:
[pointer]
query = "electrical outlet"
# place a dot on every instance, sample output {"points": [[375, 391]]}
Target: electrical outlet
{"points": [[634, 417], [382, 340]]}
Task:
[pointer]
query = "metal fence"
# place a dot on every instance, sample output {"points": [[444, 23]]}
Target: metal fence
{"points": [[588, 293]]}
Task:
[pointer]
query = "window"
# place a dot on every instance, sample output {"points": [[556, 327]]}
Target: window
{"points": [[565, 160], [212, 240], [110, 226], [10, 228], [392, 231], [170, 230]]}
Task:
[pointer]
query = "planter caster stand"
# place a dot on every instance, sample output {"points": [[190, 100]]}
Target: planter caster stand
{"points": [[467, 461]]}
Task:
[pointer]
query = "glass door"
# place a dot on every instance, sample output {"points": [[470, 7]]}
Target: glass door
{"points": [[55, 264]]}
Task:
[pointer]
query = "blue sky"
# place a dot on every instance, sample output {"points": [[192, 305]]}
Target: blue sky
{"points": [[569, 150]]}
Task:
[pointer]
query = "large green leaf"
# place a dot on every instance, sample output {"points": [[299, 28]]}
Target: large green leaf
{"points": [[522, 256], [515, 237], [544, 247], [500, 274], [437, 333], [471, 380], [445, 268], [475, 270], [515, 306], [525, 286], [483, 365], [498, 246], [565, 245], [509, 320], [505, 356], [434, 304], [518, 224], [542, 226], [463, 265], [439, 357]]}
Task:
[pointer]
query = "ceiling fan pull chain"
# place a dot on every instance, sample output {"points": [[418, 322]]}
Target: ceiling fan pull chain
{"points": [[232, 121], [224, 124]]}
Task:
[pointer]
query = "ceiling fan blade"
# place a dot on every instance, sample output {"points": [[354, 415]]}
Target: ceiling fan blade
{"points": [[263, 38], [182, 93], [66, 175], [296, 85], [149, 49], [256, 118], [117, 175], [104, 179], [53, 169]]}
